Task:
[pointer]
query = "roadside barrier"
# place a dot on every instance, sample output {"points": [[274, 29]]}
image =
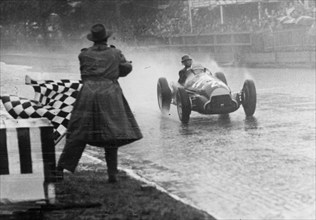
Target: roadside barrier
{"points": [[27, 160], [288, 40]]}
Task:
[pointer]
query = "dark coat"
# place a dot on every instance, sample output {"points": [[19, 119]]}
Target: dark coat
{"points": [[183, 75], [101, 115]]}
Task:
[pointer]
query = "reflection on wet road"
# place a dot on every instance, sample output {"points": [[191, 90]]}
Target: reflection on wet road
{"points": [[233, 167]]}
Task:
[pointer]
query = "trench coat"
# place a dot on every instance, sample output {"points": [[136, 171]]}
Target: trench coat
{"points": [[101, 115]]}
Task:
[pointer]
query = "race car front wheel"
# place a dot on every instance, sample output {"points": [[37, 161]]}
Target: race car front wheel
{"points": [[183, 105], [249, 97], [163, 95]]}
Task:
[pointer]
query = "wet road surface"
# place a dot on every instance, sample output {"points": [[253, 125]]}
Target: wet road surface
{"points": [[233, 167]]}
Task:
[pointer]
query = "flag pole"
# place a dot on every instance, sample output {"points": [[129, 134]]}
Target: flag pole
{"points": [[222, 16], [190, 15]]}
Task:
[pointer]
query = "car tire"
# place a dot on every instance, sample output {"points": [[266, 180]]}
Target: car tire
{"points": [[249, 97], [221, 77], [183, 105], [163, 95]]}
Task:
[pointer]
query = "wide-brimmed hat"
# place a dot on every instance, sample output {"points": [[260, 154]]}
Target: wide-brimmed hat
{"points": [[185, 57], [98, 33]]}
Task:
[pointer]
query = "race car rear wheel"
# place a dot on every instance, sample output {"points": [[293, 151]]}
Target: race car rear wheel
{"points": [[221, 77], [183, 105], [163, 95], [249, 97]]}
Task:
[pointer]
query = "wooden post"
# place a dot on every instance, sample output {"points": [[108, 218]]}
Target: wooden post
{"points": [[259, 11], [222, 14], [190, 15], [276, 59]]}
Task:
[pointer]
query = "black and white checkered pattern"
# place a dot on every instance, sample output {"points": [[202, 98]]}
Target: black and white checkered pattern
{"points": [[54, 100]]}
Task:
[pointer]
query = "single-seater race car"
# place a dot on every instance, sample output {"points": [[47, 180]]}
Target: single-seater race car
{"points": [[206, 93]]}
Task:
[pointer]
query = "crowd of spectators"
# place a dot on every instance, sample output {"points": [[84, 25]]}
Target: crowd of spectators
{"points": [[175, 19], [172, 20], [237, 18]]}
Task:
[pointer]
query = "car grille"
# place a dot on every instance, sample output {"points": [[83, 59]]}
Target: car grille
{"points": [[220, 101]]}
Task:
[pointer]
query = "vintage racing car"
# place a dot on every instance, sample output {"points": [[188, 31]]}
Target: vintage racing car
{"points": [[206, 93]]}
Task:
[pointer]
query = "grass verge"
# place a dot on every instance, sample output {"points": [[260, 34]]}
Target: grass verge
{"points": [[86, 194], [127, 199]]}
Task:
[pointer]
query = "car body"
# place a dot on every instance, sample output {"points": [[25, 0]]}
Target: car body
{"points": [[206, 93]]}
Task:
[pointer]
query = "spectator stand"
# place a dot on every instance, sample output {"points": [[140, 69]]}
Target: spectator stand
{"points": [[219, 26]]}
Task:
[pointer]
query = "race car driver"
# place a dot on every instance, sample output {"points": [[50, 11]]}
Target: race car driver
{"points": [[186, 60]]}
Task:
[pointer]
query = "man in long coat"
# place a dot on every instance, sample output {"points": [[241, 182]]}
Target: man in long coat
{"points": [[101, 116]]}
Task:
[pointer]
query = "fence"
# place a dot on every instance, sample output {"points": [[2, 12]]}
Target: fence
{"points": [[283, 46], [222, 46], [288, 40], [215, 42]]}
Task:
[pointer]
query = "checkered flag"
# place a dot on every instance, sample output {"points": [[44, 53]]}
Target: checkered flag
{"points": [[54, 100]]}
